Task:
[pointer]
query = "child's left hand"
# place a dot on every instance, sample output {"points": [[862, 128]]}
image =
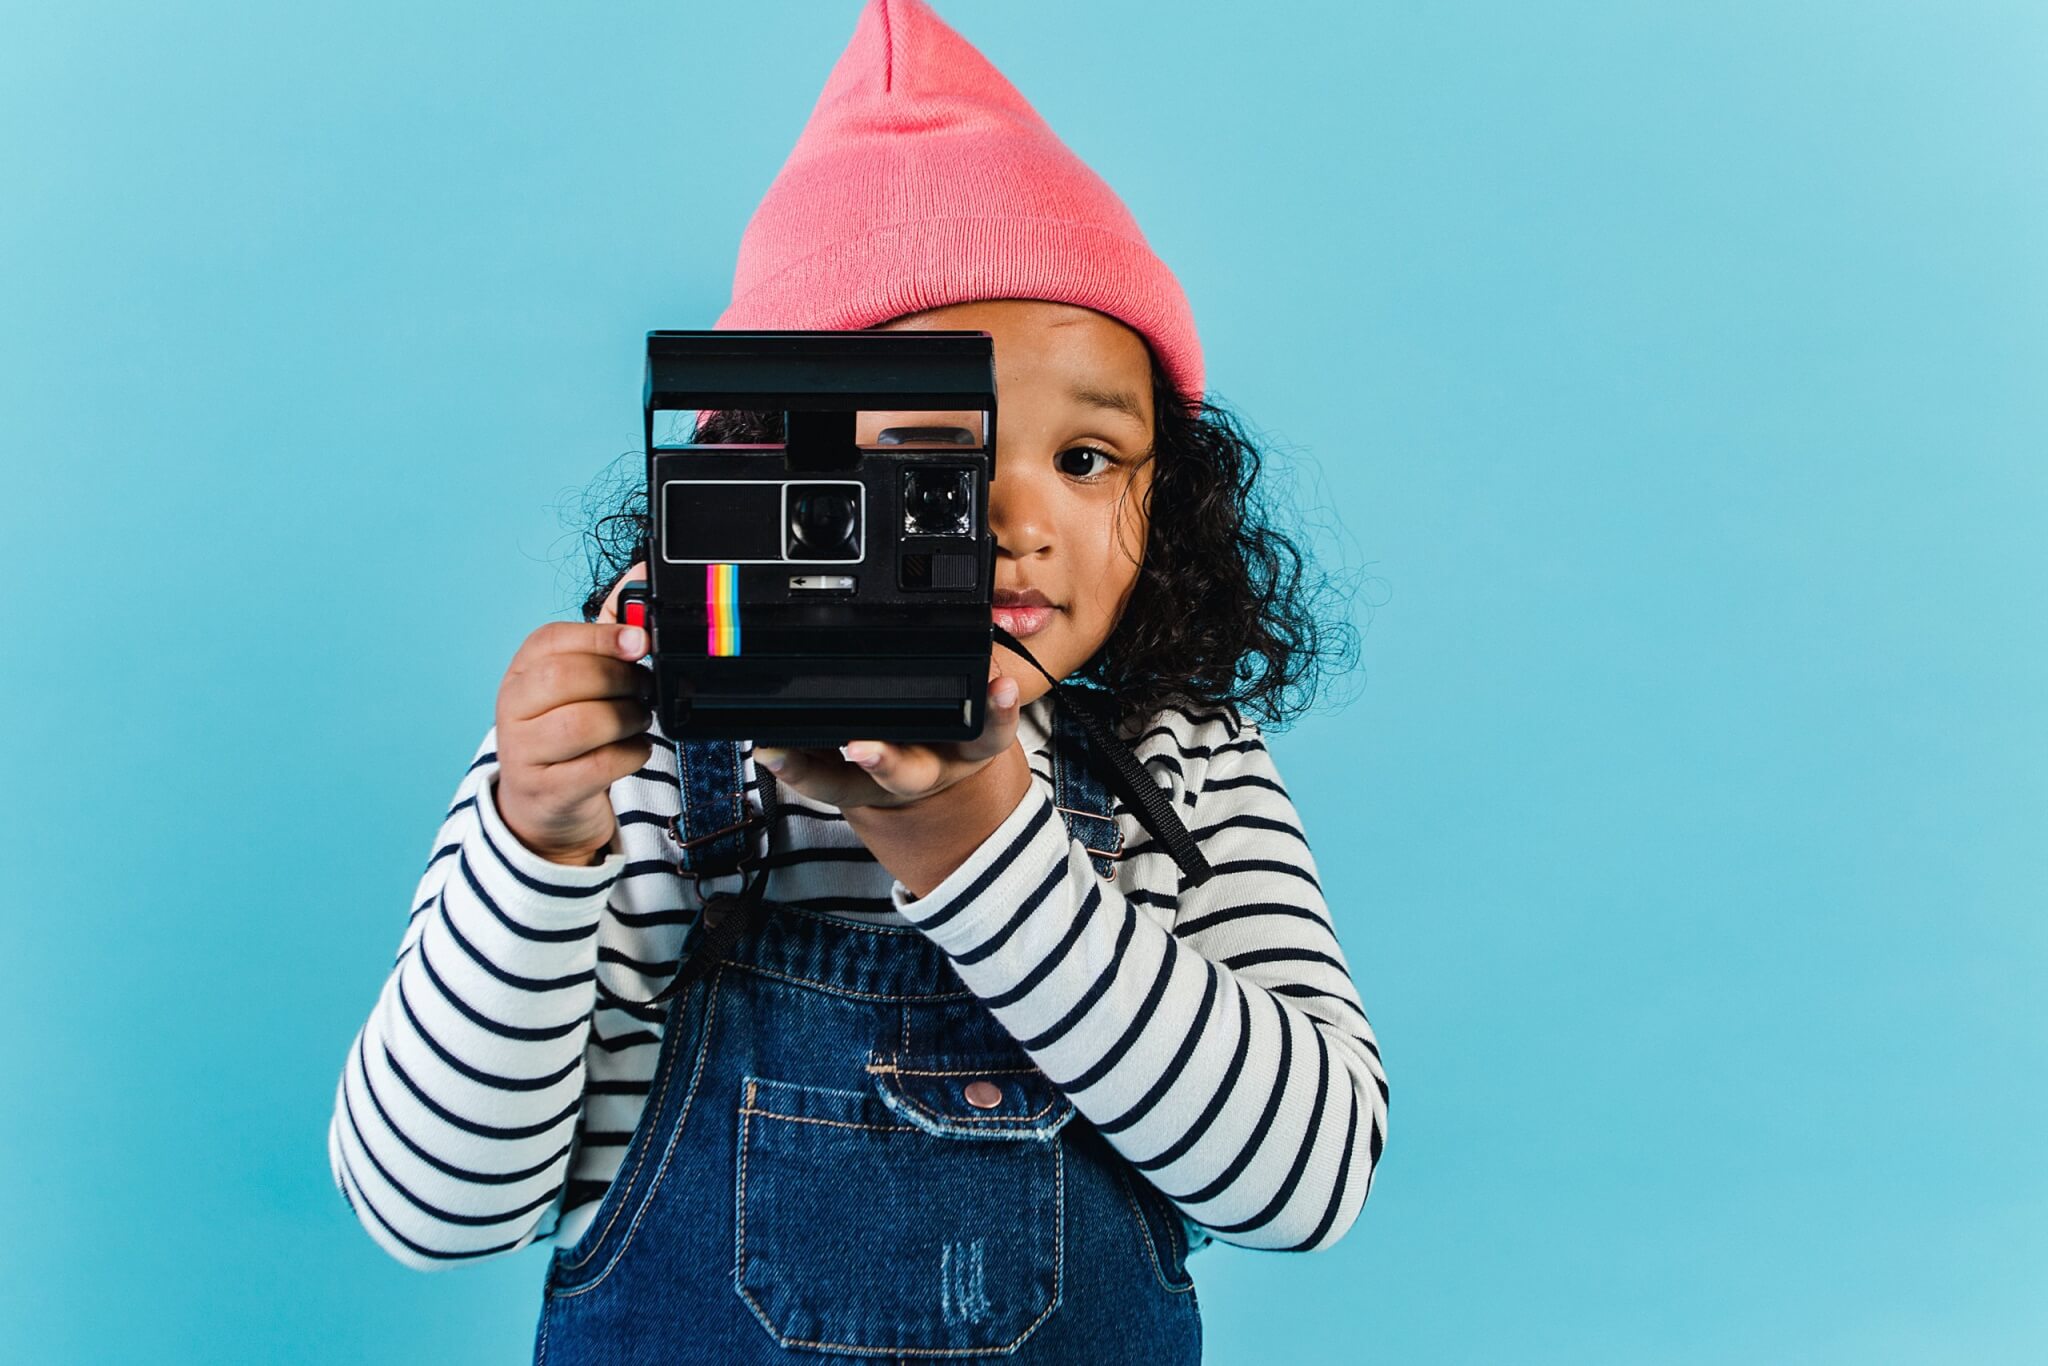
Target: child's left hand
{"points": [[872, 773]]}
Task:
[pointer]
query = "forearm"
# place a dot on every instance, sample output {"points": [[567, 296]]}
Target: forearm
{"points": [[1260, 1117], [461, 1093], [921, 844]]}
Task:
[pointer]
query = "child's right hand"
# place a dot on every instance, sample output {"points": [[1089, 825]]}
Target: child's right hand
{"points": [[571, 723]]}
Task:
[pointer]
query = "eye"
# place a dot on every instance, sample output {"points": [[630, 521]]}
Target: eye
{"points": [[1082, 469]]}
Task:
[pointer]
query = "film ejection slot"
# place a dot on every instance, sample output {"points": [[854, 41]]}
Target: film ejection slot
{"points": [[822, 583]]}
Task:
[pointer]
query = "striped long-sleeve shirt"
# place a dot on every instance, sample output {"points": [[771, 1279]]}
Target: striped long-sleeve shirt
{"points": [[1212, 1034]]}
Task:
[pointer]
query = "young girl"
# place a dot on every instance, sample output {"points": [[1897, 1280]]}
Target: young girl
{"points": [[972, 1066]]}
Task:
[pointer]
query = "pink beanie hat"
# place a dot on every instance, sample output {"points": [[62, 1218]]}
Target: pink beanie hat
{"points": [[924, 179]]}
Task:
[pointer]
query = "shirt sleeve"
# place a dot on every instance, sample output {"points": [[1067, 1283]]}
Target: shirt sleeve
{"points": [[1230, 1060], [457, 1106]]}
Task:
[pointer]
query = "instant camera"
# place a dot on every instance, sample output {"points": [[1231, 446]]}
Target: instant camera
{"points": [[820, 591]]}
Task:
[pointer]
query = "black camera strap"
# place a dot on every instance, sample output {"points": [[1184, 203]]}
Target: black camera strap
{"points": [[723, 915], [1121, 772]]}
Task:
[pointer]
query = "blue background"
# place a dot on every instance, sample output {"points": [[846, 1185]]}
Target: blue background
{"points": [[1669, 379]]}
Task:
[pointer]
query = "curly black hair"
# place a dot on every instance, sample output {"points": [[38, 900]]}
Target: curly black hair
{"points": [[1227, 610]]}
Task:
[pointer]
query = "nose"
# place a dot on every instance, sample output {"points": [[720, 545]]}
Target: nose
{"points": [[1017, 516]]}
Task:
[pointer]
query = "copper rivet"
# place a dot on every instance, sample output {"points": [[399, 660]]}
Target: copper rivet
{"points": [[984, 1095]]}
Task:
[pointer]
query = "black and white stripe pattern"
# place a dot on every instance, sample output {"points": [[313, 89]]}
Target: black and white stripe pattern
{"points": [[1214, 1037]]}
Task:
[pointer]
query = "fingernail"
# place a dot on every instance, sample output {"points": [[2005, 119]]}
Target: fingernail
{"points": [[857, 752], [773, 758], [1006, 692], [633, 641]]}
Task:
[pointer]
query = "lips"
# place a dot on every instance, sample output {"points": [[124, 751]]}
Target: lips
{"points": [[1022, 621], [1021, 612]]}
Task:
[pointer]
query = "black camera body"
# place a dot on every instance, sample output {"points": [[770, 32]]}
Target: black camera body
{"points": [[820, 591]]}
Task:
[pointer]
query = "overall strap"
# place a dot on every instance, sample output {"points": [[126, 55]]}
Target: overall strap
{"points": [[711, 833], [1079, 795], [1121, 771], [712, 836]]}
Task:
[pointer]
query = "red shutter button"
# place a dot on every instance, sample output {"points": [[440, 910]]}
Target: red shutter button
{"points": [[636, 614], [984, 1095]]}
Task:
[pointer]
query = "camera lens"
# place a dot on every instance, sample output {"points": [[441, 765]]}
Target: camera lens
{"points": [[938, 502], [825, 521]]}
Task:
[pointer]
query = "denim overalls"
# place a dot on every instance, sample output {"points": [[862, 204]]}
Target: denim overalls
{"points": [[845, 1157]]}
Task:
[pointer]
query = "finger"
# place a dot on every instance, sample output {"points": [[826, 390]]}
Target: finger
{"points": [[999, 725], [540, 684], [576, 728], [819, 774], [581, 637], [900, 770], [606, 764]]}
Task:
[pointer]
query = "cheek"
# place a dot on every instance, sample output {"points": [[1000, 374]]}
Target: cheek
{"points": [[1129, 526], [1116, 545]]}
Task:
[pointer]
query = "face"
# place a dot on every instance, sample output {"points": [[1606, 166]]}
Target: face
{"points": [[1073, 464]]}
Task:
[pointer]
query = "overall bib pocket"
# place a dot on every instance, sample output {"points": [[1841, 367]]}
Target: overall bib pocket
{"points": [[921, 1215]]}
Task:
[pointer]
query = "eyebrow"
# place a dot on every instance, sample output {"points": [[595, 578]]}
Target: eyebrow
{"points": [[1116, 400]]}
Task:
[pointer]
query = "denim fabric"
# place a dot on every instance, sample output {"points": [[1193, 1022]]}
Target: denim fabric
{"points": [[1079, 795], [809, 1182], [707, 830]]}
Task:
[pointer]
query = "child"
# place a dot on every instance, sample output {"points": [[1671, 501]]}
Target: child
{"points": [[973, 1065]]}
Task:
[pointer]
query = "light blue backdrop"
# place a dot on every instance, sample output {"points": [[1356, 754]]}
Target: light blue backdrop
{"points": [[1675, 374]]}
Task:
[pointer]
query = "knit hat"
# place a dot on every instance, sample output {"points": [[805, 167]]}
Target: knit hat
{"points": [[924, 179]]}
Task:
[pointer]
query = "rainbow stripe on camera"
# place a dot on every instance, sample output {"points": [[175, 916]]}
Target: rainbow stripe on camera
{"points": [[722, 610]]}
